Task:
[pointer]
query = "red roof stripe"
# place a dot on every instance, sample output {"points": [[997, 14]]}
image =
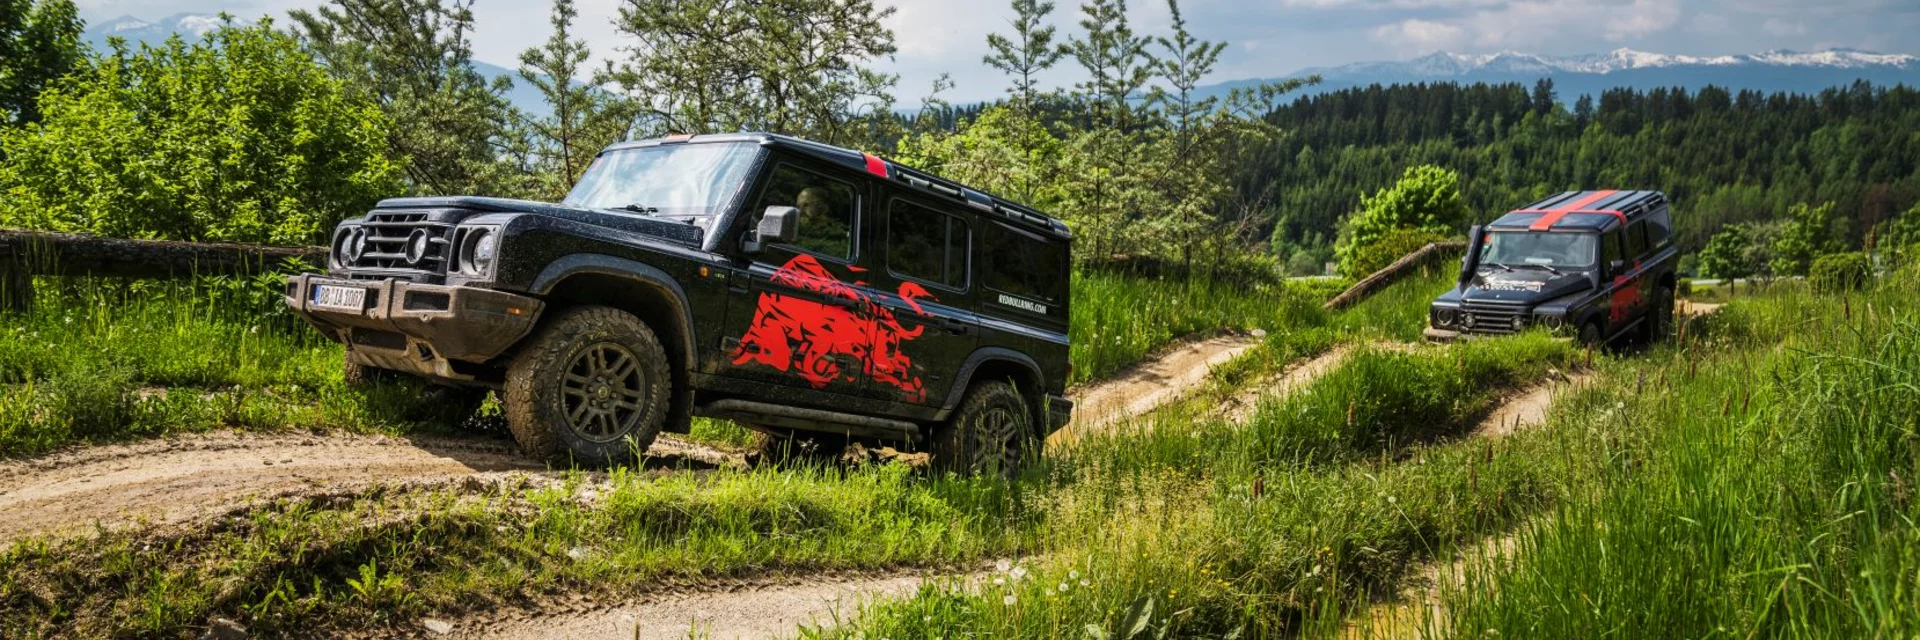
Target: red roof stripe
{"points": [[876, 166], [1555, 214]]}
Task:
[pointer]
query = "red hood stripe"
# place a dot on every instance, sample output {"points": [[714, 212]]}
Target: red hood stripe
{"points": [[1555, 214]]}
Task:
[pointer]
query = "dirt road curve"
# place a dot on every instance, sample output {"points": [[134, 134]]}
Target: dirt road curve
{"points": [[771, 611], [184, 478], [1164, 379]]}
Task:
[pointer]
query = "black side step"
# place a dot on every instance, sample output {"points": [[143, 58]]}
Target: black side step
{"points": [[776, 415]]}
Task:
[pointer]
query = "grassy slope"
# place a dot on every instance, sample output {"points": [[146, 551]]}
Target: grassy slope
{"points": [[1764, 491]]}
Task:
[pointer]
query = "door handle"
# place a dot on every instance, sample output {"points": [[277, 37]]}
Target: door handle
{"points": [[953, 326]]}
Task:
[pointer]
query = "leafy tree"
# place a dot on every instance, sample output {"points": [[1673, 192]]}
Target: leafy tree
{"points": [[1805, 235], [1725, 255], [1115, 58], [1426, 198], [39, 42], [584, 118], [239, 136], [413, 59], [786, 66]]}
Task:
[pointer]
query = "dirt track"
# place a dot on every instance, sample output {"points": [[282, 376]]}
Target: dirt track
{"points": [[181, 479], [1165, 378], [755, 611]]}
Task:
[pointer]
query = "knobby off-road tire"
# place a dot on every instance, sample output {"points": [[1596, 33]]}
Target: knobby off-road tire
{"points": [[1591, 335], [1660, 317], [992, 433], [593, 382], [452, 405]]}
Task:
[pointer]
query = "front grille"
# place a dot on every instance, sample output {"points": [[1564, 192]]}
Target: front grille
{"points": [[1487, 320], [398, 243]]}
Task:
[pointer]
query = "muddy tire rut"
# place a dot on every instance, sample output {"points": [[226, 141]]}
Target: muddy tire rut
{"points": [[182, 479]]}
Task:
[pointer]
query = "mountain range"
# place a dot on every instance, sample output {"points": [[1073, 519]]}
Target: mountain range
{"points": [[1770, 71], [1778, 70]]}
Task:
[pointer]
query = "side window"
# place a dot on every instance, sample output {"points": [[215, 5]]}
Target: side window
{"points": [[1023, 264], [925, 244], [1659, 228], [826, 209], [1636, 240], [1612, 251]]}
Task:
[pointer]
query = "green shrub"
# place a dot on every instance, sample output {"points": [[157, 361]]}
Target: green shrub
{"points": [[1389, 248], [1841, 272]]}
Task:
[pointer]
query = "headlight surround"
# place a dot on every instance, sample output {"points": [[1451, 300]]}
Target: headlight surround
{"points": [[479, 249], [349, 243], [1443, 317], [1552, 322]]}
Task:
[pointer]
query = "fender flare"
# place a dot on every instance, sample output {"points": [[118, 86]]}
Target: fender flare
{"points": [[982, 356], [602, 264]]}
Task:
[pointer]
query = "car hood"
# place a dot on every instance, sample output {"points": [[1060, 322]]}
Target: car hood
{"points": [[450, 208], [1523, 285]]}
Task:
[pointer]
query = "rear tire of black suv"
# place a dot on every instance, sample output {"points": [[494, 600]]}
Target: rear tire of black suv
{"points": [[1591, 335], [594, 381], [992, 433]]}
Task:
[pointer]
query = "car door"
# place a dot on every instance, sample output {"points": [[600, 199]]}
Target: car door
{"points": [[810, 321], [928, 319]]}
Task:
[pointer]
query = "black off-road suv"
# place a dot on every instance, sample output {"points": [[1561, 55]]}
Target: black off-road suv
{"points": [[1597, 265], [796, 288]]}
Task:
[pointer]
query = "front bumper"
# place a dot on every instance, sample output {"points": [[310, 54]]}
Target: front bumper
{"points": [[430, 330], [1447, 335], [1059, 412]]}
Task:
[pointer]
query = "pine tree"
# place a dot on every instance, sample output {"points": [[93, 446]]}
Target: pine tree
{"points": [[1023, 56], [584, 117]]}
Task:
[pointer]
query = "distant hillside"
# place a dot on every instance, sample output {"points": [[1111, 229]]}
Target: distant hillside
{"points": [[1771, 71], [135, 30]]}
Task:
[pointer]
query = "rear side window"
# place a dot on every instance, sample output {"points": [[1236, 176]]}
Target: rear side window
{"points": [[1636, 240], [926, 245], [1023, 264], [1659, 228]]}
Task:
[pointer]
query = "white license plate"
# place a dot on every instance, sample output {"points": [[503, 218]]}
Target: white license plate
{"points": [[337, 297]]}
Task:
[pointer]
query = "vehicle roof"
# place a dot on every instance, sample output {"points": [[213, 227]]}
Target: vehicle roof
{"points": [[876, 166], [1582, 211]]}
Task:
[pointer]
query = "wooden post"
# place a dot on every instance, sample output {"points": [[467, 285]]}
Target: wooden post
{"points": [[16, 282]]}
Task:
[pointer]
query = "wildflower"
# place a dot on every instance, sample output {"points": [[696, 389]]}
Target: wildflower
{"points": [[1007, 600], [1074, 574], [1018, 573], [1391, 500], [999, 581], [1063, 587], [1084, 584], [1002, 565]]}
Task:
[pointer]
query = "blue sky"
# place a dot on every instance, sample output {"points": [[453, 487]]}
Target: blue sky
{"points": [[1268, 37]]}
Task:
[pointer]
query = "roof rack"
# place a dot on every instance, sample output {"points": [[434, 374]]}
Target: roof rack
{"points": [[1623, 206], [887, 170]]}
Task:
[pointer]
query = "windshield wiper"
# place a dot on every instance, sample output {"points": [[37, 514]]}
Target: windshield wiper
{"points": [[638, 208], [1550, 269], [1496, 264]]}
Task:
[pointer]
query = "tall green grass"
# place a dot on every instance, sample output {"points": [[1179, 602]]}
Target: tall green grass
{"points": [[1767, 491], [1120, 319]]}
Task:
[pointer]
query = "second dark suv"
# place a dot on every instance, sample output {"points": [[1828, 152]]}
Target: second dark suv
{"points": [[1592, 264], [794, 287]]}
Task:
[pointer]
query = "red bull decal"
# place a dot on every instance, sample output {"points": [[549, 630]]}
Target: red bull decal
{"points": [[1620, 304], [813, 339]]}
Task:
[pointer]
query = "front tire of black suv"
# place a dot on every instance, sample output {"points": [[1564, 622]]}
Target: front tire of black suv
{"points": [[1660, 319], [593, 380], [992, 433]]}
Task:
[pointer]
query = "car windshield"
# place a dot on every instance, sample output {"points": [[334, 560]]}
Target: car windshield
{"points": [[1542, 249], [670, 180]]}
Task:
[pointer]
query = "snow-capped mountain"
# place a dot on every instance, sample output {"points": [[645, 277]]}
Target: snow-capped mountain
{"points": [[1443, 64], [1770, 71], [135, 30]]}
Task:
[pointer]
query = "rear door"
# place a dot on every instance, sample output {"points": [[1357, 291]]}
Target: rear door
{"points": [[927, 317]]}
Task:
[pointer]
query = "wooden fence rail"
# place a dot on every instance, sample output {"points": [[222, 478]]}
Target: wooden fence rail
{"points": [[24, 254], [1380, 279]]}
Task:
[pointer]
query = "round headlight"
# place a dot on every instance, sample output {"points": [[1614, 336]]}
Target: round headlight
{"points": [[417, 244], [353, 246], [1445, 317], [1552, 322], [483, 248]]}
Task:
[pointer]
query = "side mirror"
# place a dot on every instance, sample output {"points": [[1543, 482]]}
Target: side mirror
{"points": [[1470, 263], [778, 224]]}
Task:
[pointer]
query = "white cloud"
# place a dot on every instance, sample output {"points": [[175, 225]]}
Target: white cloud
{"points": [[1532, 23], [1419, 36], [1781, 27]]}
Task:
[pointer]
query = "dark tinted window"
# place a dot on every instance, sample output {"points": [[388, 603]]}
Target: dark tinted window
{"points": [[1023, 264], [1659, 227], [1636, 240], [1612, 250], [826, 209], [925, 244]]}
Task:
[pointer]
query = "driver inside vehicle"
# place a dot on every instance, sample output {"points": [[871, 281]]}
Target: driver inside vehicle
{"points": [[822, 228]]}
